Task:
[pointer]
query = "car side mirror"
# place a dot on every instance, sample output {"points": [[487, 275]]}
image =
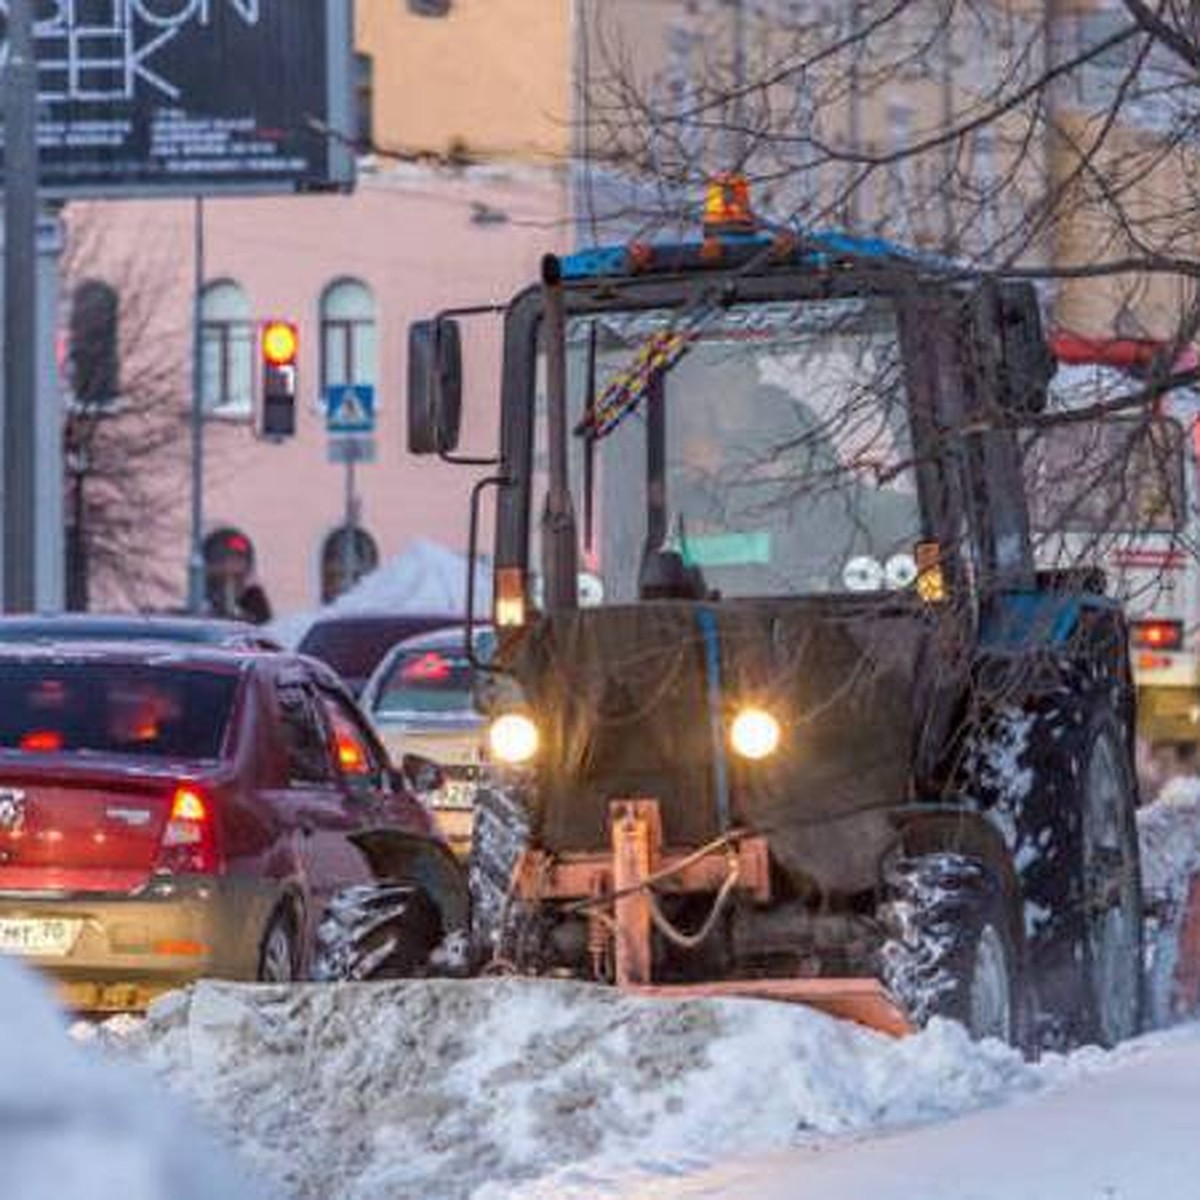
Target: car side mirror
{"points": [[434, 386], [422, 774]]}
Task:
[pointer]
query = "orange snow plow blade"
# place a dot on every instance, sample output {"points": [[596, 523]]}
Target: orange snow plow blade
{"points": [[864, 1001]]}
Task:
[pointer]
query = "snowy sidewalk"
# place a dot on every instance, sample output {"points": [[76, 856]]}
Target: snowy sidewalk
{"points": [[1121, 1132]]}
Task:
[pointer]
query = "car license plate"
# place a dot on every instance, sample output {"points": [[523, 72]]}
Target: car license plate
{"points": [[38, 937], [456, 793]]}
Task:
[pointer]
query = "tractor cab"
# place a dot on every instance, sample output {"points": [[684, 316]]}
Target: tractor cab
{"points": [[760, 531]]}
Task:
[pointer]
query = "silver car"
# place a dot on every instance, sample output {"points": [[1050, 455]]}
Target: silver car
{"points": [[419, 699]]}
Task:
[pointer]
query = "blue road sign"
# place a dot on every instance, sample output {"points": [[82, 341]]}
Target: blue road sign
{"points": [[350, 408]]}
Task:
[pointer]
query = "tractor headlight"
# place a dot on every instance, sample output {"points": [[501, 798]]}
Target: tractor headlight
{"points": [[513, 738], [754, 733]]}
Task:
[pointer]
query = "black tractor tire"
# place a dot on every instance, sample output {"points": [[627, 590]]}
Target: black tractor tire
{"points": [[279, 951], [1034, 772], [950, 949], [499, 835], [1111, 886], [380, 931]]}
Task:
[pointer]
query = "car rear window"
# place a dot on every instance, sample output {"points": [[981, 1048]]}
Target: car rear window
{"points": [[114, 708], [354, 647], [426, 681]]}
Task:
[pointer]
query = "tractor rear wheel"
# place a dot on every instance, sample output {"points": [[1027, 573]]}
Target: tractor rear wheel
{"points": [[1111, 885]]}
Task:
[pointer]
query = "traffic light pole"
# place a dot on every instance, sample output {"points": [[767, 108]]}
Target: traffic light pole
{"points": [[195, 591], [20, 308], [350, 530]]}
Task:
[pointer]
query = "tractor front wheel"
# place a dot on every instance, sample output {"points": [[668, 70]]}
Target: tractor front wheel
{"points": [[950, 949]]}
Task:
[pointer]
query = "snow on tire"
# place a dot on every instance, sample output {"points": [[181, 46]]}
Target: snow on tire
{"points": [[949, 950], [499, 835], [377, 931], [1112, 888]]}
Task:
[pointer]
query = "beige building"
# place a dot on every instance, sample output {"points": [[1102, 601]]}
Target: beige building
{"points": [[489, 79], [464, 190]]}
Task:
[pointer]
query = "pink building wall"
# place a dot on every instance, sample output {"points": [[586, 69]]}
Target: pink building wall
{"points": [[411, 237]]}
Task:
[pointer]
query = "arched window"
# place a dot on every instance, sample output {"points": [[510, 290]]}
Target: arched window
{"points": [[93, 349], [227, 342], [348, 340], [345, 560], [228, 567]]}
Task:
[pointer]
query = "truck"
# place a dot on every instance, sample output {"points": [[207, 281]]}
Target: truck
{"points": [[780, 703], [1121, 494]]}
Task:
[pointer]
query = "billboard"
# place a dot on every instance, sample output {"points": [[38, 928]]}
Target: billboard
{"points": [[193, 96]]}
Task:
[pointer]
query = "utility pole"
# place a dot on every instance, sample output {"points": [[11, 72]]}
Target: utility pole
{"points": [[20, 308], [349, 547], [739, 142], [854, 101], [196, 590]]}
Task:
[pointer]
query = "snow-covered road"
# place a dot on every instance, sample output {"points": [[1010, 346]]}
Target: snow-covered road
{"points": [[1125, 1129]]}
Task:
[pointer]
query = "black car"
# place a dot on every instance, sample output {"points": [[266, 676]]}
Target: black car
{"points": [[354, 643]]}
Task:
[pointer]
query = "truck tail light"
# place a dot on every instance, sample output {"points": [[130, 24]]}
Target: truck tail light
{"points": [[1158, 635], [189, 839]]}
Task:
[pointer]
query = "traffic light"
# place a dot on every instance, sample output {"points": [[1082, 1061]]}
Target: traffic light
{"points": [[279, 344]]}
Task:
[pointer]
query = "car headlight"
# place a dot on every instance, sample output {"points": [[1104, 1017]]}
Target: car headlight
{"points": [[512, 738], [754, 734]]}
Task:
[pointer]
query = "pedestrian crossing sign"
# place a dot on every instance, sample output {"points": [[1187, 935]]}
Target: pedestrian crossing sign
{"points": [[350, 408]]}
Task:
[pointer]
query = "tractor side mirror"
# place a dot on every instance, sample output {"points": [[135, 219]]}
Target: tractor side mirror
{"points": [[434, 386]]}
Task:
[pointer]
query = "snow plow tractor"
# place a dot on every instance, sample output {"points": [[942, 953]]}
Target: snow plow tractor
{"points": [[780, 705]]}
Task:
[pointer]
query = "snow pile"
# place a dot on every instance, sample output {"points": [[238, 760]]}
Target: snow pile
{"points": [[455, 1088], [1169, 830], [426, 578], [73, 1127]]}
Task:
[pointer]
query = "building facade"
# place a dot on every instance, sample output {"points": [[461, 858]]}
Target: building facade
{"points": [[462, 187], [492, 131]]}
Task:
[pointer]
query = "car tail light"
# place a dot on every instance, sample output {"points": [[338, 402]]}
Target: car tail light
{"points": [[189, 841], [42, 741], [1158, 635]]}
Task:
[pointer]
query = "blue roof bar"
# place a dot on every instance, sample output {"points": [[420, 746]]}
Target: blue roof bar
{"points": [[813, 248]]}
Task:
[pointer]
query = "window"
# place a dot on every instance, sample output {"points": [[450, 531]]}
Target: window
{"points": [[304, 741], [227, 349], [1123, 475], [348, 339], [115, 708], [429, 8], [228, 566], [345, 560], [436, 680], [93, 354]]}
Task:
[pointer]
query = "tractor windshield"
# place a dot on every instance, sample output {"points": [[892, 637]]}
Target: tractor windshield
{"points": [[767, 444]]}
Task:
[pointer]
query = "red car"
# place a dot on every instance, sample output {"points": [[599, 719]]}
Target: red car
{"points": [[168, 813]]}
